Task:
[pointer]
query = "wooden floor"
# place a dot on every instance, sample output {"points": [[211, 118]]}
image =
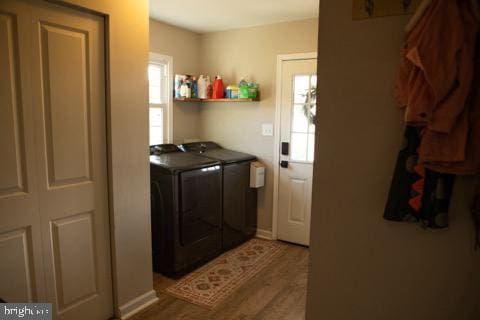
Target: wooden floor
{"points": [[276, 293]]}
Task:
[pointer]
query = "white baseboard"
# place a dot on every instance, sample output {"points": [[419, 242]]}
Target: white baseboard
{"points": [[264, 234], [136, 305]]}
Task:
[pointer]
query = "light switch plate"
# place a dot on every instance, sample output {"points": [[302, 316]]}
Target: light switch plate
{"points": [[267, 129]]}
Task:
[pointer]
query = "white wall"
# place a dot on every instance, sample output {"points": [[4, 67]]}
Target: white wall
{"points": [[251, 53], [363, 267]]}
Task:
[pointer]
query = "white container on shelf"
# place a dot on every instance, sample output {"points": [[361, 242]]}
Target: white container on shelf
{"points": [[202, 87], [185, 91]]}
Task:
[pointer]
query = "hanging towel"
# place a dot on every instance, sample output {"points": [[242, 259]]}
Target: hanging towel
{"points": [[430, 61], [471, 164], [435, 83]]}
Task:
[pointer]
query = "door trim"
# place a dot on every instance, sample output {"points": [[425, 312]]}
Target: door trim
{"points": [[281, 58]]}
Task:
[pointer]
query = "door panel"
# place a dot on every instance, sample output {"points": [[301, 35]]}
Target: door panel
{"points": [[298, 94], [17, 276], [296, 210], [65, 85], [12, 170], [75, 261]]}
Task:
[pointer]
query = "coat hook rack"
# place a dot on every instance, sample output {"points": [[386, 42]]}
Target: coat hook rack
{"points": [[367, 9]]}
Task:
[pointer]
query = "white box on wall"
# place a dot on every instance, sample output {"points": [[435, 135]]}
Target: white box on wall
{"points": [[257, 174]]}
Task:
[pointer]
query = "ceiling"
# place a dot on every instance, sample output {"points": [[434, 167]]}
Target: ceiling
{"points": [[204, 16]]}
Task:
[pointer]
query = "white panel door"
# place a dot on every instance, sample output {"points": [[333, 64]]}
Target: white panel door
{"points": [[66, 94], [297, 133], [21, 264]]}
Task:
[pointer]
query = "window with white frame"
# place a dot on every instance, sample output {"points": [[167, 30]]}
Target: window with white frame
{"points": [[158, 87]]}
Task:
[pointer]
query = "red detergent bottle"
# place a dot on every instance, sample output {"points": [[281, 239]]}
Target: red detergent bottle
{"points": [[218, 90]]}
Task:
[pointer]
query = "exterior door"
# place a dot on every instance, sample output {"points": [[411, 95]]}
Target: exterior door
{"points": [[297, 134], [53, 186]]}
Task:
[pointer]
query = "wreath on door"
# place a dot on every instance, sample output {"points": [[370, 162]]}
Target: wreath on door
{"points": [[308, 108]]}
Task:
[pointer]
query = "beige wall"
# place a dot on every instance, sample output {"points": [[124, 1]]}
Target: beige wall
{"points": [[363, 267], [251, 53], [184, 47], [127, 56]]}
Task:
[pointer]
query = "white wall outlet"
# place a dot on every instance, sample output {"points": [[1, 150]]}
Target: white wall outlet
{"points": [[267, 129]]}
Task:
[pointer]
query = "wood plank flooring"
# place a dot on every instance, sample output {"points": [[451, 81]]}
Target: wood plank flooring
{"points": [[276, 293]]}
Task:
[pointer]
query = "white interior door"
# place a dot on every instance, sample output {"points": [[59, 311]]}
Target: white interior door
{"points": [[21, 267], [56, 130], [297, 134]]}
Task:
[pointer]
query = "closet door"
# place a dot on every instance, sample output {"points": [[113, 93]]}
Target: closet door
{"points": [[21, 266], [54, 226], [69, 101]]}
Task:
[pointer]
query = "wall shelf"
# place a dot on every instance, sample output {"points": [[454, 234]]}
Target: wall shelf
{"points": [[215, 100]]}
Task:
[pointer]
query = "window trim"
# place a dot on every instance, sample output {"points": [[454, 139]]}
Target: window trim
{"points": [[168, 61]]}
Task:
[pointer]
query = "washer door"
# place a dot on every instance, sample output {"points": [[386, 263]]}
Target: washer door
{"points": [[200, 204]]}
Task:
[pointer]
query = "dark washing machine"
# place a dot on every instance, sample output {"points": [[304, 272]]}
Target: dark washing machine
{"points": [[239, 200], [186, 200]]}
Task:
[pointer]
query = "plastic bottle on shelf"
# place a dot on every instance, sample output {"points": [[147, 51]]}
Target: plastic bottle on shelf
{"points": [[243, 89], [194, 88], [185, 90], [218, 89], [252, 90], [202, 87], [234, 92], [178, 85], [209, 88]]}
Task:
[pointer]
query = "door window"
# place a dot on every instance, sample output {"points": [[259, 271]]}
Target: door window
{"points": [[302, 137]]}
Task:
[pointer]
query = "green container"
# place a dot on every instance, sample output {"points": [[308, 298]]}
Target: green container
{"points": [[252, 90], [243, 90]]}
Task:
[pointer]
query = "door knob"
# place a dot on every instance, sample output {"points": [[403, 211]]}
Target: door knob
{"points": [[285, 147], [284, 164]]}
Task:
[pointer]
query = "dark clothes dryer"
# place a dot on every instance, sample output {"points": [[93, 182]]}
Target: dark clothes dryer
{"points": [[239, 200], [186, 200]]}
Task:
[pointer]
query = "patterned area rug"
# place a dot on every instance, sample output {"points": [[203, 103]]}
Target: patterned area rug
{"points": [[215, 281]]}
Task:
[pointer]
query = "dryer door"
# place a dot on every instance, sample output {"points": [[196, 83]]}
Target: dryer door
{"points": [[200, 204]]}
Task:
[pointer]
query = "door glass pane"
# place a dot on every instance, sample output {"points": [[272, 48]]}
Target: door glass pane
{"points": [[301, 85], [300, 120], [303, 118], [299, 146], [311, 147]]}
